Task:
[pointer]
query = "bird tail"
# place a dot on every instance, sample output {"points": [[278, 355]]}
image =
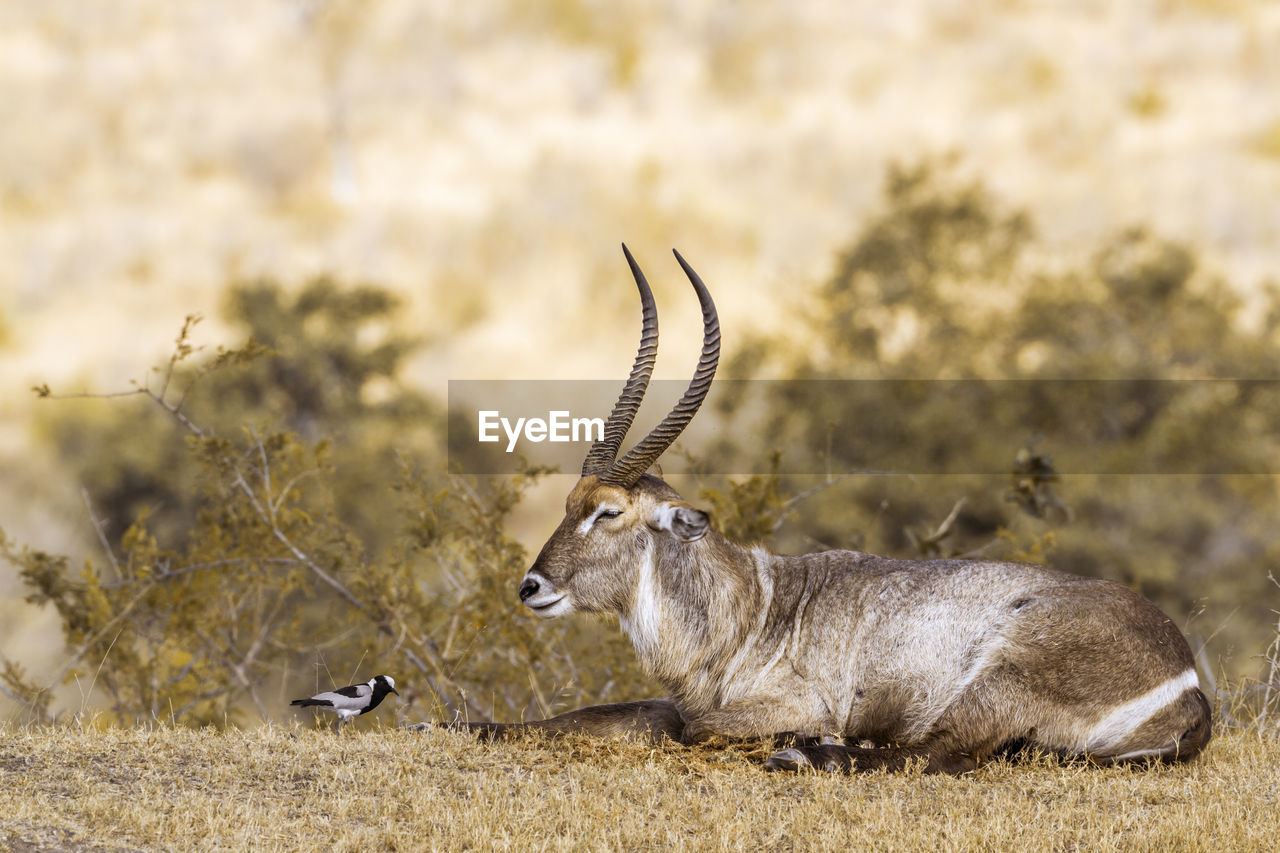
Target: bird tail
{"points": [[306, 702]]}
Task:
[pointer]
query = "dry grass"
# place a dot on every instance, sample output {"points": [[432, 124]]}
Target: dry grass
{"points": [[73, 788]]}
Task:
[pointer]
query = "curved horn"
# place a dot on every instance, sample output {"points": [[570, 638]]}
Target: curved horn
{"points": [[604, 451], [627, 470]]}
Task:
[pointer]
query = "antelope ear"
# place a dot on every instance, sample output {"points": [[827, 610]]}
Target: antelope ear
{"points": [[682, 521]]}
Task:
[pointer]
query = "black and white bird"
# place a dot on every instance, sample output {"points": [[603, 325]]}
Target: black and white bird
{"points": [[352, 700]]}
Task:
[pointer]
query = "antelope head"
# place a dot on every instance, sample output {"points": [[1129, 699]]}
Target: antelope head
{"points": [[616, 513]]}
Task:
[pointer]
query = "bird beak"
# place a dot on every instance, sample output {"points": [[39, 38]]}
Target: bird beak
{"points": [[393, 690]]}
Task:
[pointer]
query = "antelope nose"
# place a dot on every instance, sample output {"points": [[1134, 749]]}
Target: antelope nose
{"points": [[528, 587]]}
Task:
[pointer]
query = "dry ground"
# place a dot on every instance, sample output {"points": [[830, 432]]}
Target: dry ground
{"points": [[269, 789]]}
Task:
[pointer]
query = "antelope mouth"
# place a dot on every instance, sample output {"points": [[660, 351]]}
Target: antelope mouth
{"points": [[549, 607], [541, 596]]}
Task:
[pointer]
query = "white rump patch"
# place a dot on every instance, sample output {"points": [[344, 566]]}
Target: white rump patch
{"points": [[1111, 730]]}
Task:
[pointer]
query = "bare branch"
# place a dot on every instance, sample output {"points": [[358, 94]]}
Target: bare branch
{"points": [[237, 668], [266, 471], [102, 533]]}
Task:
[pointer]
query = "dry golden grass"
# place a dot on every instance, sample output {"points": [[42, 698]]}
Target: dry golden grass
{"points": [[271, 788]]}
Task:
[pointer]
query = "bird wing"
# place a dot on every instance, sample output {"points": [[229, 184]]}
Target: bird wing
{"points": [[355, 691], [354, 697]]}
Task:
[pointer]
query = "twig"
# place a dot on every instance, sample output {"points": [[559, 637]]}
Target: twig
{"points": [[237, 669], [102, 533], [42, 714], [266, 470], [945, 527], [175, 411], [364, 654], [164, 574], [93, 638], [84, 697]]}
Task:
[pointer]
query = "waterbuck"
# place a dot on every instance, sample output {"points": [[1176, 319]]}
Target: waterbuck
{"points": [[864, 662]]}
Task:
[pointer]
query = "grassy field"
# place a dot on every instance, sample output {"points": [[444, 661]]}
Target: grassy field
{"points": [[275, 789]]}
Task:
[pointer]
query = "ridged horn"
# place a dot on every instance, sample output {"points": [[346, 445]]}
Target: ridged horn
{"points": [[605, 451], [627, 470]]}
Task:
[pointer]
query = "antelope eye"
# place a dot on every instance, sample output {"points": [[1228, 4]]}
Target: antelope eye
{"points": [[609, 513]]}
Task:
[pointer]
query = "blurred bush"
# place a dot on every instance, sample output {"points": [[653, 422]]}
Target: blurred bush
{"points": [[282, 504], [331, 378]]}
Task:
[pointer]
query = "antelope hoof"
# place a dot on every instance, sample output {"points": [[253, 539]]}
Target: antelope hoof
{"points": [[787, 759]]}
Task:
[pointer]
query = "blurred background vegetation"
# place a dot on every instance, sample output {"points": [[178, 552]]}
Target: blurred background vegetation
{"points": [[368, 199]]}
